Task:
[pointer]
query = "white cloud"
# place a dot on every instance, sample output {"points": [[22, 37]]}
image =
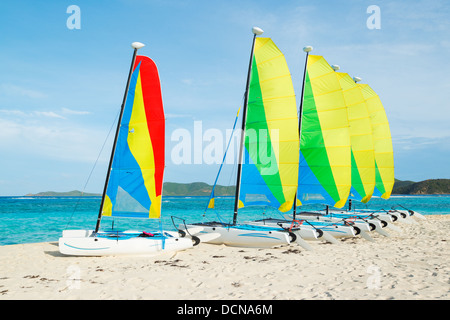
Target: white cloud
{"points": [[74, 112], [13, 112], [11, 89], [19, 113], [29, 138], [409, 142], [187, 81], [177, 115], [49, 114], [417, 15]]}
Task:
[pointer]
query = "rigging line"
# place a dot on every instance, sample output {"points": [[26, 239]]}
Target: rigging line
{"points": [[222, 205], [212, 195], [92, 170]]}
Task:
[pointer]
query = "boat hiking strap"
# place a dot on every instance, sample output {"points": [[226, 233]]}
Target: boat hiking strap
{"points": [[351, 219], [146, 234], [360, 217], [295, 223]]}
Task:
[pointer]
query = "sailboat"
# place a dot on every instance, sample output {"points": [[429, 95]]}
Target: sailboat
{"points": [[267, 165], [372, 166], [361, 139], [325, 150], [323, 229], [383, 151], [133, 184], [363, 165]]}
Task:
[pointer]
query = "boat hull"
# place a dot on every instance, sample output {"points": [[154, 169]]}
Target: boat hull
{"points": [[242, 236], [360, 224], [84, 243], [306, 232], [311, 231], [338, 231]]}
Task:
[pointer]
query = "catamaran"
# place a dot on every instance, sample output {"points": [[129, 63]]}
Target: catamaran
{"points": [[324, 156], [363, 165], [383, 152], [267, 166], [372, 170], [133, 184]]}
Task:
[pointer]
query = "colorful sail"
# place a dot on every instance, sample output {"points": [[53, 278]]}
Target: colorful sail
{"points": [[325, 157], [384, 154], [362, 149], [136, 176], [270, 164]]}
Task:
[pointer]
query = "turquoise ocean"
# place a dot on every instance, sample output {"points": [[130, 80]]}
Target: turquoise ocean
{"points": [[42, 219]]}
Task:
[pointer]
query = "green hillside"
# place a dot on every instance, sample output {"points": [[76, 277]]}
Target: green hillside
{"points": [[195, 189], [404, 183], [74, 193], [431, 186], [169, 189]]}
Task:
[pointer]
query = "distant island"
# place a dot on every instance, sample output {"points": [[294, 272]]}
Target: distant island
{"points": [[431, 186], [196, 189], [74, 193], [169, 189]]}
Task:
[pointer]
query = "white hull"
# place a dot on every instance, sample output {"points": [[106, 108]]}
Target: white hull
{"points": [[338, 231], [361, 225], [375, 223], [306, 232], [335, 227], [240, 236], [369, 215], [312, 232], [84, 243], [402, 216]]}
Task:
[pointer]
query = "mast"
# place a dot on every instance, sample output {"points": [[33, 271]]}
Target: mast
{"points": [[306, 49], [256, 31], [356, 79], [135, 46]]}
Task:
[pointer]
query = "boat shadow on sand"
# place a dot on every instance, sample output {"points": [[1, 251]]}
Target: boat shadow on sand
{"points": [[56, 252]]}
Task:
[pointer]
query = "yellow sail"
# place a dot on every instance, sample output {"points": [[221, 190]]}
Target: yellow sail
{"points": [[270, 169], [361, 138], [325, 158], [384, 154]]}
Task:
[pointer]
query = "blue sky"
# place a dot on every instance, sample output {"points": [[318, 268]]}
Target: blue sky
{"points": [[61, 89]]}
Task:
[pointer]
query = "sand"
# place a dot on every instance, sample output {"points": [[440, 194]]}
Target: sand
{"points": [[413, 264]]}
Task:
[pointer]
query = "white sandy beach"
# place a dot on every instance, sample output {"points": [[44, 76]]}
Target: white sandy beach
{"points": [[413, 264]]}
